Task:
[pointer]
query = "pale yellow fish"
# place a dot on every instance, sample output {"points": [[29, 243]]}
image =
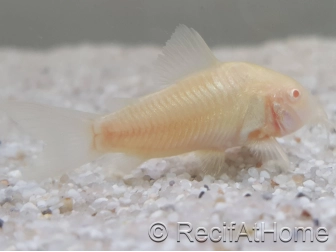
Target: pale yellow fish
{"points": [[208, 107]]}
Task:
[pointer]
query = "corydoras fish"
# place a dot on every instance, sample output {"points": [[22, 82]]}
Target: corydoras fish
{"points": [[209, 106]]}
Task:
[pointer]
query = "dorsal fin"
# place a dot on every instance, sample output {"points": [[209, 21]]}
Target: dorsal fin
{"points": [[185, 53]]}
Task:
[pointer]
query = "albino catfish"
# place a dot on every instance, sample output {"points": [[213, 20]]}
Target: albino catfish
{"points": [[208, 107]]}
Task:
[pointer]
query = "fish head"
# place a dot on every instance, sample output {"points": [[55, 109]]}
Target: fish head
{"points": [[291, 106]]}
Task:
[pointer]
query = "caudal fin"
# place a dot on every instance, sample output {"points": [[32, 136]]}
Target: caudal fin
{"points": [[67, 133]]}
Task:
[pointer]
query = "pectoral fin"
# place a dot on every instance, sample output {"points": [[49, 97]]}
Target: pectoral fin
{"points": [[268, 149], [212, 161]]}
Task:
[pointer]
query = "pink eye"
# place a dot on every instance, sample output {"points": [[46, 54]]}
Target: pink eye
{"points": [[295, 94]]}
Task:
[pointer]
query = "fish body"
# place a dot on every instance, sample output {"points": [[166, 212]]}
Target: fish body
{"points": [[208, 107], [196, 113], [203, 111]]}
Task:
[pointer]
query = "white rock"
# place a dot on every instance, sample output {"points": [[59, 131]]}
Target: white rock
{"points": [[179, 197], [15, 174], [280, 216], [257, 187], [33, 190], [125, 201], [157, 214], [112, 205], [309, 183], [72, 193], [41, 204], [281, 179], [29, 207], [319, 162], [161, 202], [304, 201], [185, 184], [291, 184], [53, 201], [220, 206], [118, 190], [11, 150], [99, 203], [264, 174], [173, 217], [253, 172], [251, 180]]}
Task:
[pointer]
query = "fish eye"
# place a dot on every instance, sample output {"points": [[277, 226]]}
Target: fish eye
{"points": [[295, 94]]}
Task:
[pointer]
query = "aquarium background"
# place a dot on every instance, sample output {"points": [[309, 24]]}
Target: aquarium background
{"points": [[42, 24]]}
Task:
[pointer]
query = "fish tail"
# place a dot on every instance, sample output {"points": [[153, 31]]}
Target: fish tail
{"points": [[68, 135]]}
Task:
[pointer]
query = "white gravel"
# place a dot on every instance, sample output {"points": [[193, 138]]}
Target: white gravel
{"points": [[90, 209]]}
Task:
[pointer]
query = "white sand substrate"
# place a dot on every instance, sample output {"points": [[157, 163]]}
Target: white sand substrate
{"points": [[89, 208]]}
